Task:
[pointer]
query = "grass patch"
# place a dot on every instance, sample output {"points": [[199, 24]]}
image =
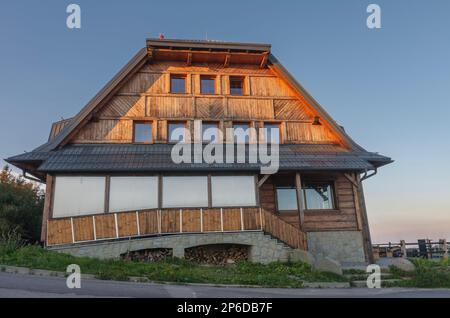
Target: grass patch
{"points": [[173, 270], [428, 274]]}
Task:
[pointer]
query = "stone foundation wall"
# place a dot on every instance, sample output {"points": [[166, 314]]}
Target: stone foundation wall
{"points": [[263, 248], [343, 246]]}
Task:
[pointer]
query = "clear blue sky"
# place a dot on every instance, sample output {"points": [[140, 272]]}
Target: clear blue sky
{"points": [[390, 88]]}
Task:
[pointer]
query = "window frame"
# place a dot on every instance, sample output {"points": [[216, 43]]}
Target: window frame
{"points": [[334, 198], [280, 133], [256, 190], [293, 187], [105, 191], [169, 140], [140, 122], [210, 122], [178, 75], [242, 80], [210, 77], [249, 124]]}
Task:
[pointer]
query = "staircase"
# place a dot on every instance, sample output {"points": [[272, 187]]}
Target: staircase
{"points": [[283, 231]]}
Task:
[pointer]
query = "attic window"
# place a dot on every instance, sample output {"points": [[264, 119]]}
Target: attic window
{"points": [[142, 132], [236, 85], [176, 131], [178, 83], [207, 84]]}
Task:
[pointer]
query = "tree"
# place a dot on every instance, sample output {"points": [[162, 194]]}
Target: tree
{"points": [[21, 204]]}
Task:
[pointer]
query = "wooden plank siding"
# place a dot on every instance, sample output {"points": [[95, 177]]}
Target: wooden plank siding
{"points": [[344, 217], [146, 96]]}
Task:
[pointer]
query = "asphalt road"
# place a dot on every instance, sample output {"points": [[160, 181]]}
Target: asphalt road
{"points": [[15, 285]]}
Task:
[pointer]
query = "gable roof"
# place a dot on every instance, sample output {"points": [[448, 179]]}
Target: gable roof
{"points": [[259, 54], [212, 46]]}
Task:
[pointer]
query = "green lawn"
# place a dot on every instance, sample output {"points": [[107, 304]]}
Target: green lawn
{"points": [[173, 270], [428, 274]]}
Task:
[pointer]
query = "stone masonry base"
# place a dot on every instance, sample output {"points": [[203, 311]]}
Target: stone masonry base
{"points": [[342, 246], [263, 248]]}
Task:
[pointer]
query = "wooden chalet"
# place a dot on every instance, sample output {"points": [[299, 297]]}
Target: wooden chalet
{"points": [[110, 177]]}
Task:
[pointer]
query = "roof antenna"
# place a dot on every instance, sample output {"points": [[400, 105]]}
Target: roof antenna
{"points": [[206, 35], [161, 36]]}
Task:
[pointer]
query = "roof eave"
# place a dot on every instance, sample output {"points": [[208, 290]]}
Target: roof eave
{"points": [[208, 45]]}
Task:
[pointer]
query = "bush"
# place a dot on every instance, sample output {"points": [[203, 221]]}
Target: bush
{"points": [[21, 205]]}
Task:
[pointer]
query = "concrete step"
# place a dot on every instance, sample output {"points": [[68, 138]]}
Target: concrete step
{"points": [[363, 283], [356, 276]]}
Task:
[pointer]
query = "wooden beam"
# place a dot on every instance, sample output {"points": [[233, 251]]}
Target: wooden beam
{"points": [[107, 188], [263, 179], [264, 61], [365, 223], [150, 54], [47, 206], [227, 60], [351, 179], [301, 212], [189, 59]]}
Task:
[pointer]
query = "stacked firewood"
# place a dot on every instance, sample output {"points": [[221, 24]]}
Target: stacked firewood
{"points": [[148, 255], [219, 254]]}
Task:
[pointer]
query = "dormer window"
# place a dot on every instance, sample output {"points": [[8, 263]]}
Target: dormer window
{"points": [[236, 85], [178, 83]]}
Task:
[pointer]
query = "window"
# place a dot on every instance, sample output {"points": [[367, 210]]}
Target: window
{"points": [[178, 84], [78, 196], [207, 84], [143, 132], [176, 131], [236, 85], [133, 193], [233, 191], [210, 132], [286, 198], [241, 132], [318, 195], [272, 133], [185, 192]]}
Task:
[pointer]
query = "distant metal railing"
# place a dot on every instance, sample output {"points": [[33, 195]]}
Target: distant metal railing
{"points": [[424, 248]]}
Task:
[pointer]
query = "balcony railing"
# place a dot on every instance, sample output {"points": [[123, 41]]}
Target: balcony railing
{"points": [[109, 226], [79, 229]]}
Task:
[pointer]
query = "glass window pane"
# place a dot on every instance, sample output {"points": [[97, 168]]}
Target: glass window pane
{"points": [[318, 196], [236, 85], [272, 133], [133, 193], [233, 191], [207, 85], [143, 132], [210, 132], [177, 84], [286, 198], [179, 192], [176, 132], [241, 133], [78, 196]]}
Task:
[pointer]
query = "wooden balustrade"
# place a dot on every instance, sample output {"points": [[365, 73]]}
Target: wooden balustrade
{"points": [[96, 227], [283, 230], [151, 222]]}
